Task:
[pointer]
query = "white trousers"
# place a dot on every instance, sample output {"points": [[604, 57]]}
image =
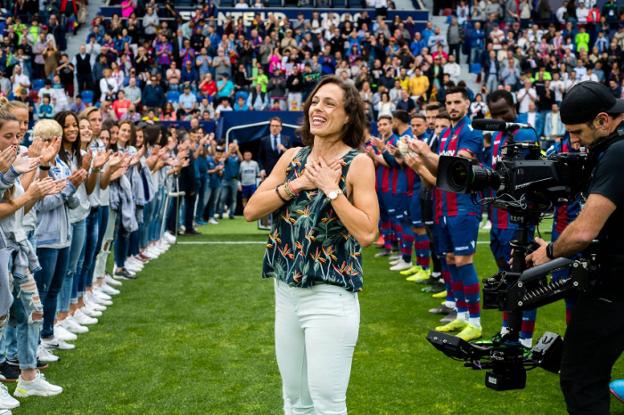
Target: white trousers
{"points": [[316, 330]]}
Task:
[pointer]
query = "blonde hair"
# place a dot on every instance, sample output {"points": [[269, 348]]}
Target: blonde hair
{"points": [[46, 129], [86, 112], [7, 105]]}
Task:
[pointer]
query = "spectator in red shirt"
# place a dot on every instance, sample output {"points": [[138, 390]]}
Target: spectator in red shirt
{"points": [[121, 104]]}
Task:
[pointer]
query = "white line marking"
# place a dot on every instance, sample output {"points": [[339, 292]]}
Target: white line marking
{"points": [[221, 243], [250, 242]]}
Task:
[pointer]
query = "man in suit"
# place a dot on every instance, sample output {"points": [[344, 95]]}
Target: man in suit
{"points": [[272, 147], [554, 130]]}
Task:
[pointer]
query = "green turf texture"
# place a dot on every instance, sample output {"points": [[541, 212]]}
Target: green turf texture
{"points": [[194, 335]]}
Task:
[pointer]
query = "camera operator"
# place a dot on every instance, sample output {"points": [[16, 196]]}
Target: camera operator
{"points": [[592, 344], [502, 107]]}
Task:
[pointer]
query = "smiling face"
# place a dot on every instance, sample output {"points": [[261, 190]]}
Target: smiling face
{"points": [[327, 114], [9, 134], [85, 131], [124, 134], [70, 129], [22, 116]]}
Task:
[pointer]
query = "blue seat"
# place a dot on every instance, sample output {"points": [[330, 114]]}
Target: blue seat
{"points": [[37, 84], [173, 96], [243, 94], [87, 96], [475, 68]]}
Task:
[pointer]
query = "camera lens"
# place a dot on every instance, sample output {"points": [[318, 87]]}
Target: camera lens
{"points": [[458, 176]]}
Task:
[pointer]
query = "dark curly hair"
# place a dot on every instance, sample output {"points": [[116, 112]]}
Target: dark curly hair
{"points": [[353, 131]]}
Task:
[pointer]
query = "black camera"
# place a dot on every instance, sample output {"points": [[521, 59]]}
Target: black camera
{"points": [[527, 185], [525, 182]]}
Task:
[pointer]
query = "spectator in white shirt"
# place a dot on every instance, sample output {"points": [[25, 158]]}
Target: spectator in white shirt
{"points": [[526, 95], [20, 80], [242, 4], [452, 68]]}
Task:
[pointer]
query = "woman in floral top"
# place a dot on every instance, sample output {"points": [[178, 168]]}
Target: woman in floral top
{"points": [[324, 205]]}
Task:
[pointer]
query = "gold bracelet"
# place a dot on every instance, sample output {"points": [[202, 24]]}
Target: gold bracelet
{"points": [[289, 191]]}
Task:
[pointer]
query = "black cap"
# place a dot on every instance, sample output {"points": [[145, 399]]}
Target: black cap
{"points": [[586, 100]]}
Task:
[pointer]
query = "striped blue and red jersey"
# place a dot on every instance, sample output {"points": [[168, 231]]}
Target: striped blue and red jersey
{"points": [[385, 174], [397, 180], [500, 218], [453, 140], [564, 213]]}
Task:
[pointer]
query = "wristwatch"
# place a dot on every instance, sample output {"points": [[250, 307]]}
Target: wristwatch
{"points": [[333, 195]]}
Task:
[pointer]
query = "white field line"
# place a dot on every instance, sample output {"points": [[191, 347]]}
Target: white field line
{"points": [[248, 242]]}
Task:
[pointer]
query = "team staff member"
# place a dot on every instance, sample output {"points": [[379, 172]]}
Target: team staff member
{"points": [[593, 343]]}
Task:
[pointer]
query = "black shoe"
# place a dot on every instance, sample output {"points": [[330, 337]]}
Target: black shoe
{"points": [[40, 365], [8, 372], [125, 275], [192, 232], [231, 217]]}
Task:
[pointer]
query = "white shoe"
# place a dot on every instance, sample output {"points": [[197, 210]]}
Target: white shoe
{"points": [[394, 257], [169, 237], [128, 266], [62, 333], [53, 343], [71, 325], [134, 264], [487, 226], [45, 355], [6, 400], [107, 289], [101, 295], [90, 302], [100, 299], [91, 312], [36, 387], [401, 266], [213, 221], [150, 254], [112, 281], [5, 412], [84, 319]]}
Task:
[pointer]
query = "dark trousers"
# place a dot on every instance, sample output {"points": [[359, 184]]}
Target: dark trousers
{"points": [[594, 340], [455, 49], [84, 82], [189, 210]]}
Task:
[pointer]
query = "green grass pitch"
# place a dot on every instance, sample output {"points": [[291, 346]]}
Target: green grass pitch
{"points": [[194, 335]]}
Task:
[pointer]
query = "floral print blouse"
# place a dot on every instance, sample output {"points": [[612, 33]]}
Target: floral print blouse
{"points": [[308, 243]]}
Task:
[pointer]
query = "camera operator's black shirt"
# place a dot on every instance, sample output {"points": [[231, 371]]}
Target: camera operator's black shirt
{"points": [[607, 180]]}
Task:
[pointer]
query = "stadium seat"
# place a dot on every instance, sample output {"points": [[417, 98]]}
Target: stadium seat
{"points": [[87, 96], [243, 94], [173, 96], [475, 68], [37, 84]]}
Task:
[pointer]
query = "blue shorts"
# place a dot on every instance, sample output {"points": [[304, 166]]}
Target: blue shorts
{"points": [[458, 235], [396, 205], [500, 243], [415, 212], [248, 191]]}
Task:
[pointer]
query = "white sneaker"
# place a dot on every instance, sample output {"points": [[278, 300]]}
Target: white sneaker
{"points": [[84, 319], [128, 266], [107, 289], [150, 254], [71, 325], [401, 266], [101, 295], [394, 257], [62, 333], [53, 343], [92, 304], [5, 412], [100, 299], [45, 355], [36, 387], [6, 400], [112, 281], [213, 221], [169, 237], [91, 312]]}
